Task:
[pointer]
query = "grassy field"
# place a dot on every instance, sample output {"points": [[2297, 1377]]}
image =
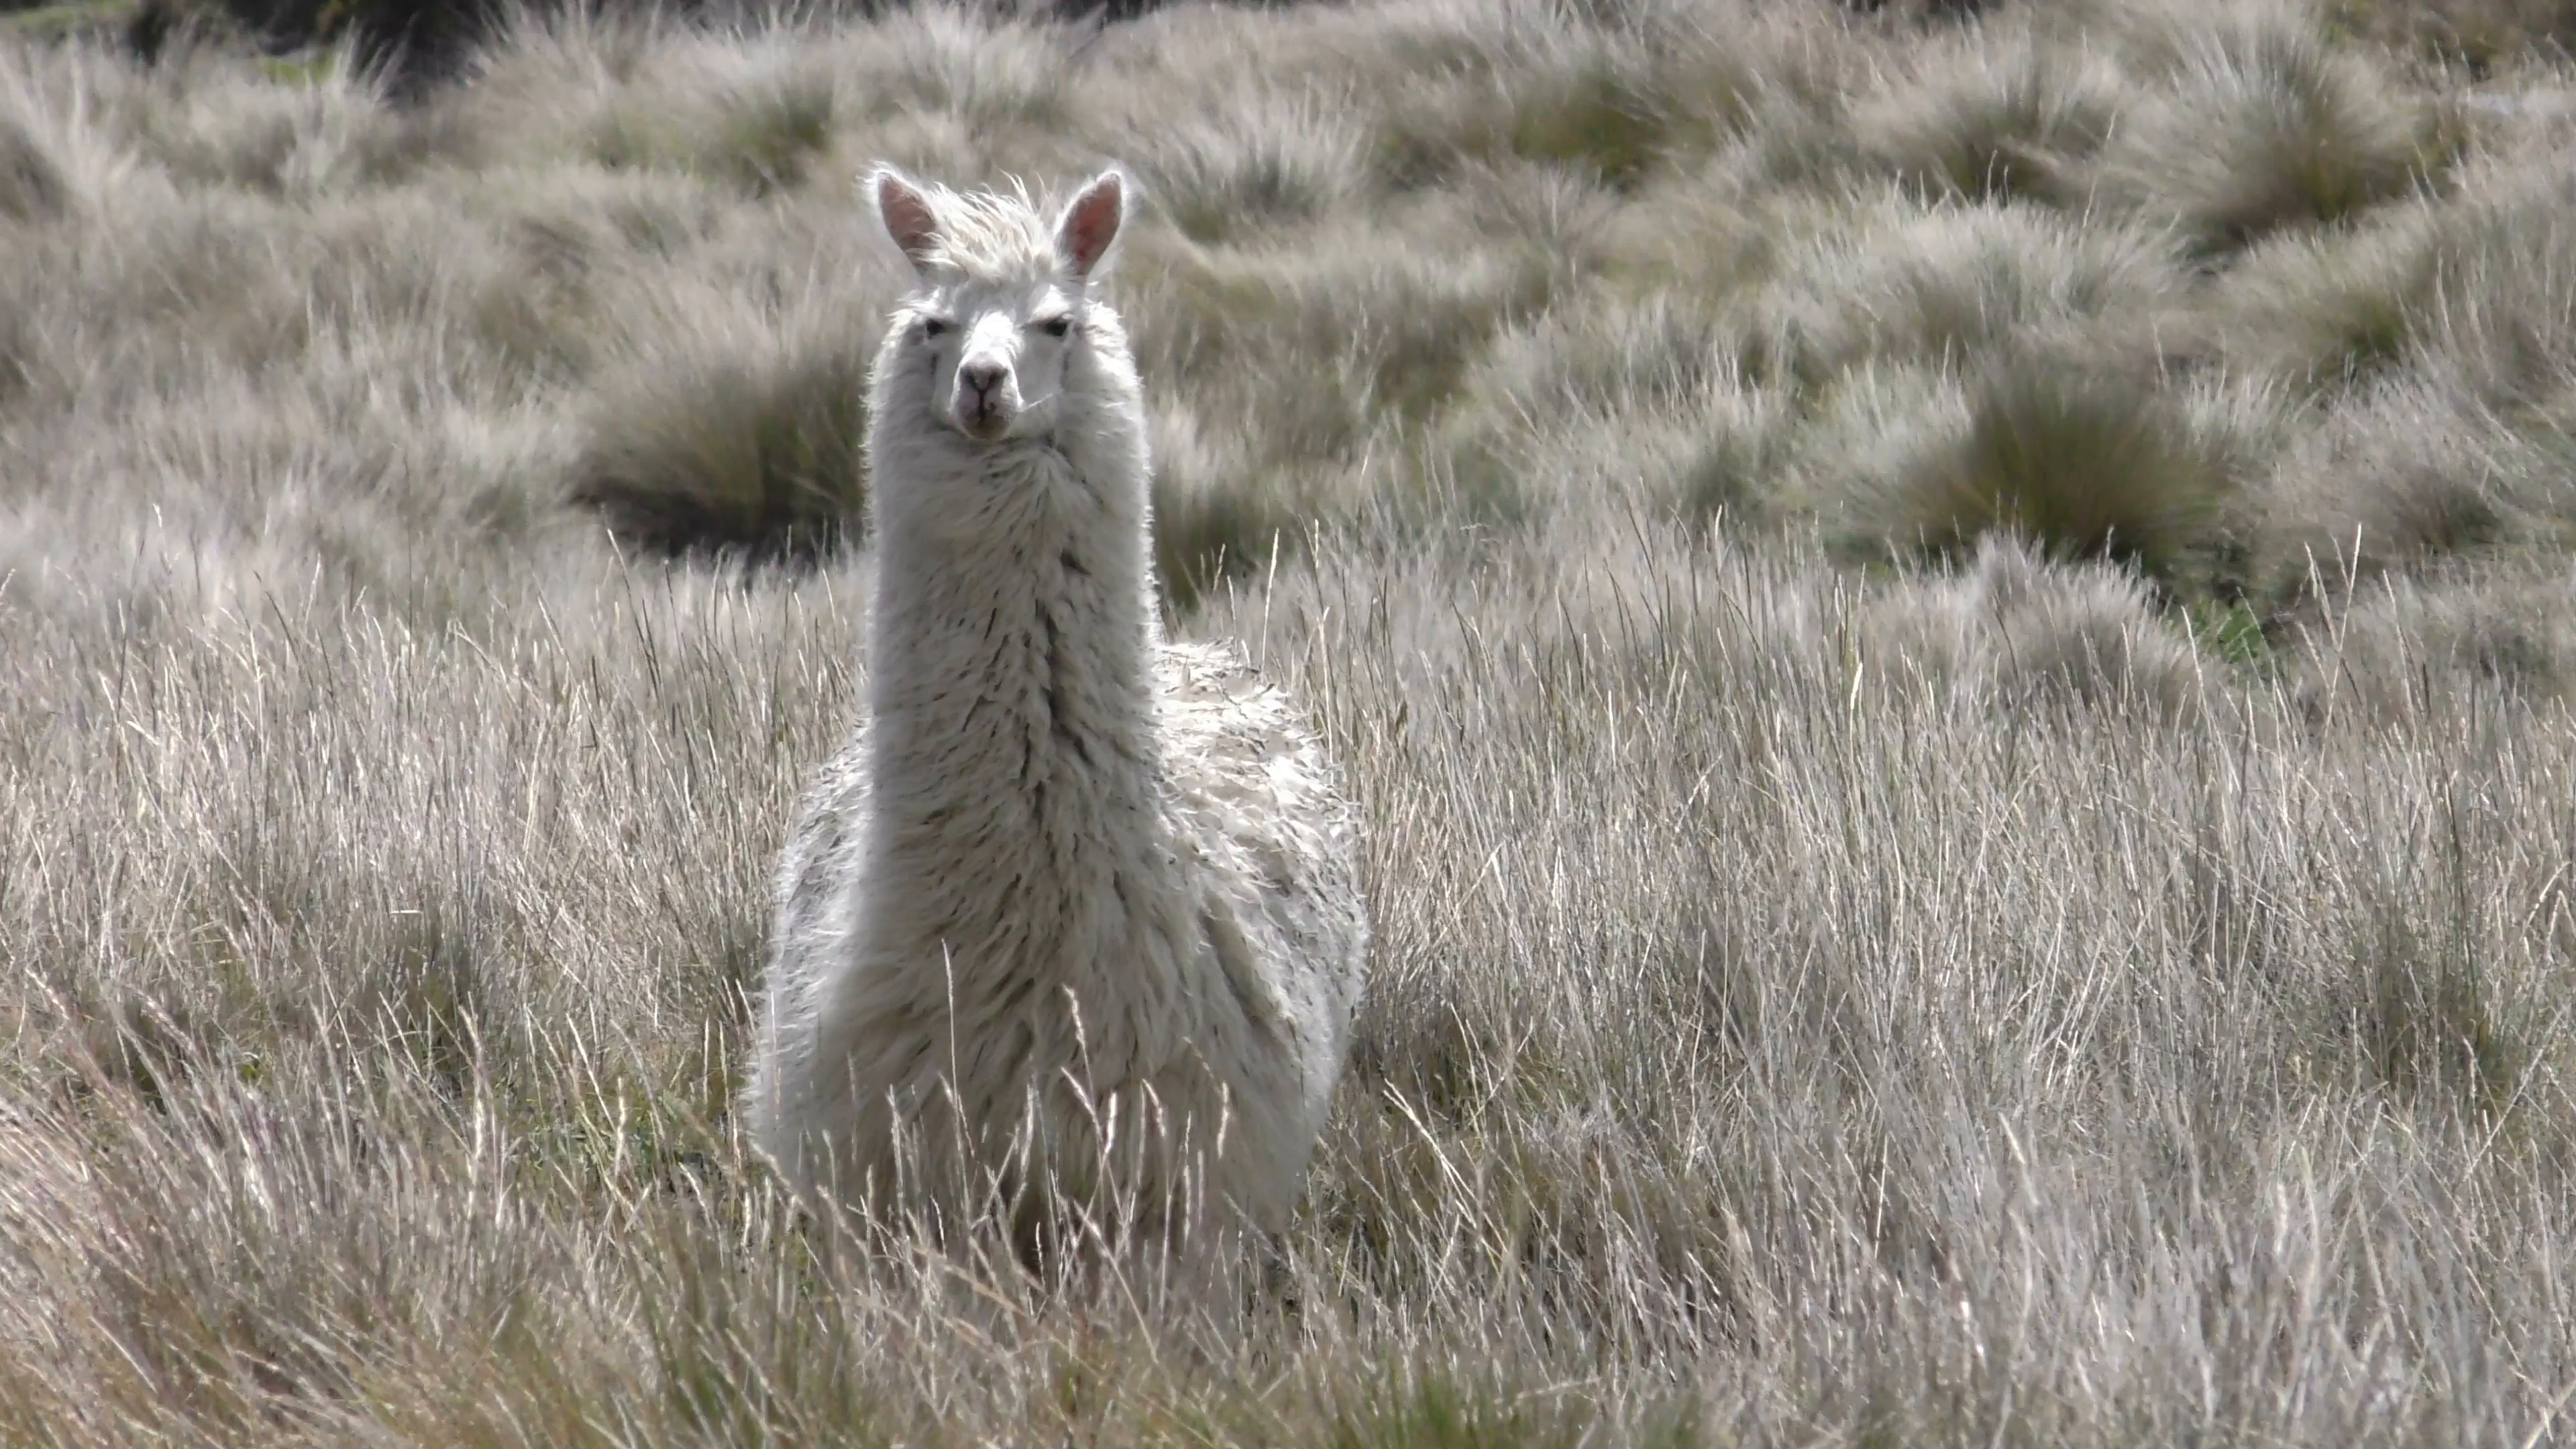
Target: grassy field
{"points": [[1956, 638]]}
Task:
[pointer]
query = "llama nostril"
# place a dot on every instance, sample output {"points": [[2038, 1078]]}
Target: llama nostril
{"points": [[981, 377]]}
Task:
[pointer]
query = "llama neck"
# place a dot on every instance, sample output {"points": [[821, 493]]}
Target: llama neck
{"points": [[1010, 683], [1048, 620]]}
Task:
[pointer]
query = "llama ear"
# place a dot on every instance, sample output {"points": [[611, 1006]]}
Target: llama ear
{"points": [[906, 213], [1090, 224]]}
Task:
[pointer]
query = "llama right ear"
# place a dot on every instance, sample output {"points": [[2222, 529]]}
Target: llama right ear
{"points": [[906, 213]]}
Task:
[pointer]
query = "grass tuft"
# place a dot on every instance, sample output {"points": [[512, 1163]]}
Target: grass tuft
{"points": [[2404, 648], [2016, 628], [1952, 286], [1317, 353], [2268, 127], [2327, 310], [1265, 165], [2410, 475], [1217, 515], [1601, 398], [2483, 35], [1979, 118], [2086, 464], [1433, 1407], [762, 137], [1617, 102], [1596, 115], [2499, 318], [752, 449], [2429, 1023]]}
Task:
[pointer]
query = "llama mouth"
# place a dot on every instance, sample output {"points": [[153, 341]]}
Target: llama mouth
{"points": [[987, 425]]}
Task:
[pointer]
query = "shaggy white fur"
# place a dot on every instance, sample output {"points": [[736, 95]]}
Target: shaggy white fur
{"points": [[1074, 921]]}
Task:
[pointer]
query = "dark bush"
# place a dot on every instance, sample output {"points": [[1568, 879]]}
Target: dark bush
{"points": [[415, 45], [753, 454], [411, 44]]}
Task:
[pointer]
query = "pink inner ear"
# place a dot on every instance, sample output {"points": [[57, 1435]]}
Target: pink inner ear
{"points": [[1091, 223], [907, 216]]}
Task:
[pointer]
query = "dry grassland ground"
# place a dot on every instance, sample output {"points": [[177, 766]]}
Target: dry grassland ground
{"points": [[1844, 976]]}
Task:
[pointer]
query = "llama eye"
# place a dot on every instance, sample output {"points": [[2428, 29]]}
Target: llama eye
{"points": [[1056, 326], [933, 327]]}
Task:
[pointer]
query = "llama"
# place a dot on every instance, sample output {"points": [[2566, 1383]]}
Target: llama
{"points": [[1074, 920]]}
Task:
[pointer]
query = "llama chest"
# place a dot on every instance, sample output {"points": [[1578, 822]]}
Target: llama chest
{"points": [[1041, 964], [1020, 879]]}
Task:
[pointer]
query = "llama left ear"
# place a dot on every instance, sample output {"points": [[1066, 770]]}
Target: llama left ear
{"points": [[906, 213], [1090, 224]]}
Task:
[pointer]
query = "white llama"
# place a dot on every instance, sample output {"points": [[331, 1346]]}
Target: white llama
{"points": [[1075, 916]]}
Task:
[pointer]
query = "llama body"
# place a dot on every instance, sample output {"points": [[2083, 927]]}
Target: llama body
{"points": [[1077, 909]]}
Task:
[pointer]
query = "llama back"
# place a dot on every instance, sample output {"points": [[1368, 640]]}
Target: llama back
{"points": [[810, 928], [1255, 794]]}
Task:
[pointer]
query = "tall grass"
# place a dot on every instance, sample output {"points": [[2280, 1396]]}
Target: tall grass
{"points": [[1964, 732]]}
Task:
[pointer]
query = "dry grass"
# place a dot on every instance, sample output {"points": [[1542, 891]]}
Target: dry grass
{"points": [[2263, 124], [2481, 35], [1954, 642]]}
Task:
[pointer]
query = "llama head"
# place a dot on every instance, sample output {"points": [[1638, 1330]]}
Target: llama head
{"points": [[1002, 298]]}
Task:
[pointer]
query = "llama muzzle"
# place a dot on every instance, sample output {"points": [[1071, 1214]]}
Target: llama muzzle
{"points": [[987, 400]]}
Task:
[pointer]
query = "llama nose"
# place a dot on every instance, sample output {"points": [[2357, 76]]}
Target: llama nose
{"points": [[981, 377]]}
